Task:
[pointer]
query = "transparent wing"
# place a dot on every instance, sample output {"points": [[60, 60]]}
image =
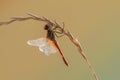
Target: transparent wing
{"points": [[37, 42], [45, 45]]}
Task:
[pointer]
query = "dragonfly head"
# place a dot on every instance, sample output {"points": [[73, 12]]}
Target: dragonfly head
{"points": [[47, 27]]}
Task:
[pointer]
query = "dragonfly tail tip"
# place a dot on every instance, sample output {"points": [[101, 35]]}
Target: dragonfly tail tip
{"points": [[65, 61]]}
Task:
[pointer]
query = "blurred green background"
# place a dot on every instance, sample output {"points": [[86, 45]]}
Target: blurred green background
{"points": [[95, 23]]}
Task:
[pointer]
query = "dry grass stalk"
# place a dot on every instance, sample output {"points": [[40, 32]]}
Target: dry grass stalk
{"points": [[61, 28]]}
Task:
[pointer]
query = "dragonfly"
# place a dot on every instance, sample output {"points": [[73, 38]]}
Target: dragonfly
{"points": [[48, 45]]}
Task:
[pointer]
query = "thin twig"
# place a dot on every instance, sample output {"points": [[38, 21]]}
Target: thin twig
{"points": [[77, 44], [31, 16], [61, 28]]}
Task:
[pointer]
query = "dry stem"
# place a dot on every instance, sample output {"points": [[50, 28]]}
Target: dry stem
{"points": [[55, 24]]}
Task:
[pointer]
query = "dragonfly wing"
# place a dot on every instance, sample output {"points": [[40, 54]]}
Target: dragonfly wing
{"points": [[44, 45], [48, 49], [37, 42]]}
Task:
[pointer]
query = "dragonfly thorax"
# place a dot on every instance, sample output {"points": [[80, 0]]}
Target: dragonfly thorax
{"points": [[50, 34]]}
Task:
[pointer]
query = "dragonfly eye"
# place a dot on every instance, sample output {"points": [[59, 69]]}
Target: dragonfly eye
{"points": [[46, 27]]}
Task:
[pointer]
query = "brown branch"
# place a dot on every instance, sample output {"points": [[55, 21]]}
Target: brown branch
{"points": [[31, 16], [77, 44], [61, 28]]}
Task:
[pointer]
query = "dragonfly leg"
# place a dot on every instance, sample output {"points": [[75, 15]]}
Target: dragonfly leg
{"points": [[59, 35]]}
